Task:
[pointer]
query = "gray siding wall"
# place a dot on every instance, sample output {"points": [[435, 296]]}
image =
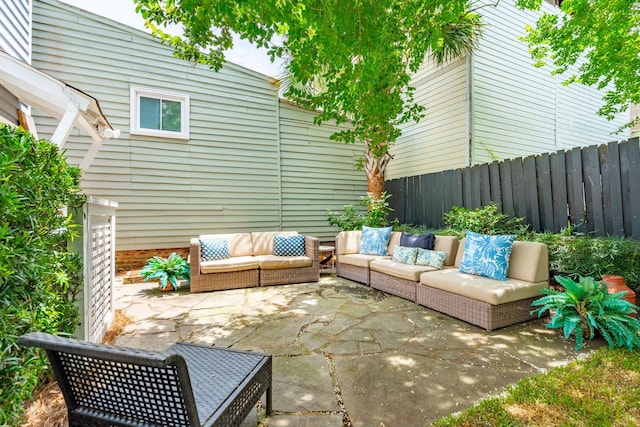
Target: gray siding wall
{"points": [[317, 173], [440, 140], [8, 106], [225, 178], [518, 109], [15, 39], [501, 103], [15, 28]]}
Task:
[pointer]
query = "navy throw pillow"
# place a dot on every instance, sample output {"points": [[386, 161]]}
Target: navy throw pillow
{"points": [[424, 241]]}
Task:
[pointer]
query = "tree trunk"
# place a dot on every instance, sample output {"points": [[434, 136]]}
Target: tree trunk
{"points": [[374, 169]]}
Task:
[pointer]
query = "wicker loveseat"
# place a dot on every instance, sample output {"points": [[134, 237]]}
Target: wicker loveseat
{"points": [[484, 302], [251, 262]]}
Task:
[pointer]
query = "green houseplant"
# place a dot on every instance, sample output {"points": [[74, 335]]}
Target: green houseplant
{"points": [[585, 307], [167, 271]]}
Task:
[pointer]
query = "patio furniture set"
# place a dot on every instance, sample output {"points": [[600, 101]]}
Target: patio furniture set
{"points": [[228, 261], [194, 385]]}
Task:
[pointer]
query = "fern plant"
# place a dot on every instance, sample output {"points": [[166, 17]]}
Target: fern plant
{"points": [[166, 270], [585, 307]]}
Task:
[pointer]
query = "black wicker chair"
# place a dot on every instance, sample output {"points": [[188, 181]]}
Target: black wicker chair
{"points": [[186, 385]]}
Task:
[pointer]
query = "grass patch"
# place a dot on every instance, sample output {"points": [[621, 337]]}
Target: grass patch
{"points": [[602, 390]]}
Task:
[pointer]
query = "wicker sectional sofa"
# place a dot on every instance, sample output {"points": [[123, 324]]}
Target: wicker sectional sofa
{"points": [[484, 302], [252, 262]]}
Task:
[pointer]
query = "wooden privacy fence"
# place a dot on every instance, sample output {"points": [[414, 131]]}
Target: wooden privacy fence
{"points": [[595, 189]]}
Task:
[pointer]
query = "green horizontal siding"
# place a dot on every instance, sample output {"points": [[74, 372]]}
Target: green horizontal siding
{"points": [[439, 140], [317, 174], [226, 177], [518, 109]]}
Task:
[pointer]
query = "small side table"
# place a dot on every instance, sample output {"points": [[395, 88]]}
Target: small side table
{"points": [[327, 259]]}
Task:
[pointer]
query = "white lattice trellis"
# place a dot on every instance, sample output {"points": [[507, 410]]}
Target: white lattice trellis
{"points": [[99, 226]]}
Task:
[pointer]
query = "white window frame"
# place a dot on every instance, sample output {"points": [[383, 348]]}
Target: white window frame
{"points": [[136, 92]]}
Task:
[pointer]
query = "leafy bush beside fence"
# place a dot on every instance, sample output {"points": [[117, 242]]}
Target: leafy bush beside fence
{"points": [[39, 277]]}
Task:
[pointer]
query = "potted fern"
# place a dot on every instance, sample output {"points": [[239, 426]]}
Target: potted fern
{"points": [[167, 271], [585, 307]]}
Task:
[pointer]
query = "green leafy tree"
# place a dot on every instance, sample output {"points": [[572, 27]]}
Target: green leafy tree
{"points": [[601, 37], [364, 52]]}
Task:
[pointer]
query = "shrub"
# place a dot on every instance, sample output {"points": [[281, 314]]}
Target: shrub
{"points": [[585, 307], [580, 255], [375, 214], [486, 220], [39, 276]]}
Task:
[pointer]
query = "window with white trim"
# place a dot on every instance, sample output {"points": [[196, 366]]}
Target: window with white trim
{"points": [[159, 113]]}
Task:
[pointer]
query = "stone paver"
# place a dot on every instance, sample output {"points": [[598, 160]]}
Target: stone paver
{"points": [[345, 353]]}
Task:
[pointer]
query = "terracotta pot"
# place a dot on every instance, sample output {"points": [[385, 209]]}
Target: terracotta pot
{"points": [[617, 284]]}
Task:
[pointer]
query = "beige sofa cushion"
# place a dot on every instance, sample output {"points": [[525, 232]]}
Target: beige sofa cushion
{"points": [[272, 262], [348, 242], [239, 263], [396, 269], [529, 261], [360, 260], [262, 241], [448, 244], [481, 288], [239, 243], [394, 241]]}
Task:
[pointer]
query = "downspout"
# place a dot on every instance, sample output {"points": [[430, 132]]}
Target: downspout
{"points": [[555, 116], [279, 156], [469, 121]]}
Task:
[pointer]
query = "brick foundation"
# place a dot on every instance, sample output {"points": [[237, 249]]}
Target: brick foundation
{"points": [[135, 260]]}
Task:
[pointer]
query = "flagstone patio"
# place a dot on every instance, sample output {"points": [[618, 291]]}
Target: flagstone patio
{"points": [[345, 354]]}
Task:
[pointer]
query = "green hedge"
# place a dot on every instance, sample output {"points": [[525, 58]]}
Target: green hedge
{"points": [[39, 277]]}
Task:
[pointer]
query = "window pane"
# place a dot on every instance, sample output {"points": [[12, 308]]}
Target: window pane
{"points": [[171, 115], [149, 113]]}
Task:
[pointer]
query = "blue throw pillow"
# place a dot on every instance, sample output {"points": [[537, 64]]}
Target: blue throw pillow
{"points": [[214, 249], [487, 256], [431, 258], [375, 240], [424, 241], [288, 245], [404, 255]]}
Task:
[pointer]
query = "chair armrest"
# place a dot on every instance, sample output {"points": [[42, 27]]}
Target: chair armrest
{"points": [[194, 258], [312, 249]]}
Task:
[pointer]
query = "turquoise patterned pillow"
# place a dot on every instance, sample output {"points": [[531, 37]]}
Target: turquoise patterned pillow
{"points": [[214, 249], [288, 245], [487, 256], [404, 255], [375, 240], [430, 258]]}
